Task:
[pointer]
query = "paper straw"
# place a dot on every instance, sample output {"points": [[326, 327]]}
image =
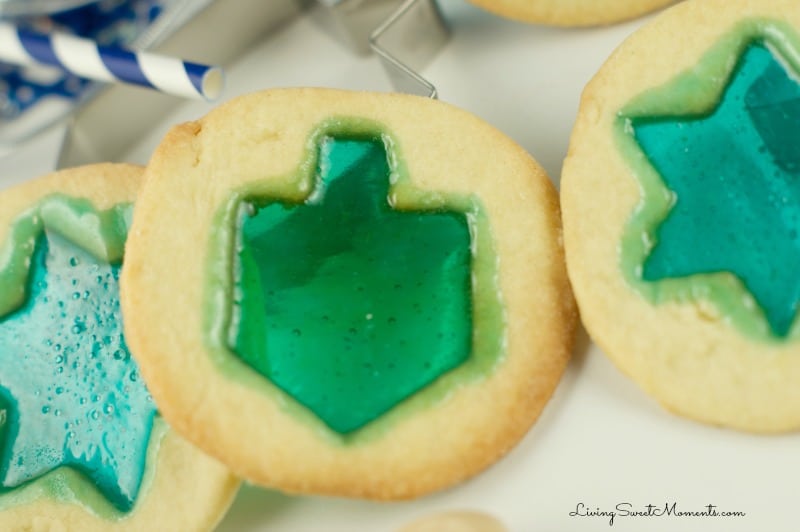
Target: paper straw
{"points": [[85, 58]]}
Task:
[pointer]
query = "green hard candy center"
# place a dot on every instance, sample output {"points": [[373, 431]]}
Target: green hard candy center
{"points": [[70, 393], [735, 176], [345, 303]]}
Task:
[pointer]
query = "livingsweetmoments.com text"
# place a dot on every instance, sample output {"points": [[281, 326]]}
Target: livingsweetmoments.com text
{"points": [[666, 510]]}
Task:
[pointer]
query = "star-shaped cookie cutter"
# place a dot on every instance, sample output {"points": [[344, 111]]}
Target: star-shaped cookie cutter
{"points": [[407, 41], [406, 35]]}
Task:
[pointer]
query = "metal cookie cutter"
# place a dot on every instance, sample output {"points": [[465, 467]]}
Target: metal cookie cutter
{"points": [[408, 35], [94, 133], [407, 39]]}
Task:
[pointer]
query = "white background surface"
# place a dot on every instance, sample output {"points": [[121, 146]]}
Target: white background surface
{"points": [[600, 441]]}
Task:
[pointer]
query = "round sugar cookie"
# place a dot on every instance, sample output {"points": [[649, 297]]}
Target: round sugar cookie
{"points": [[344, 293], [681, 211], [571, 12], [82, 445]]}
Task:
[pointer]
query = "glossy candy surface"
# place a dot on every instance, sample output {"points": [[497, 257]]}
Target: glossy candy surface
{"points": [[735, 176], [71, 392], [345, 303]]}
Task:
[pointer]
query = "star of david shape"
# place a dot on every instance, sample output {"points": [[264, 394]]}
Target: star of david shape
{"points": [[71, 391], [735, 176]]}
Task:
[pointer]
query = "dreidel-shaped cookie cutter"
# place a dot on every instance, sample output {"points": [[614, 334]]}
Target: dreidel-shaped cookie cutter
{"points": [[406, 35]]}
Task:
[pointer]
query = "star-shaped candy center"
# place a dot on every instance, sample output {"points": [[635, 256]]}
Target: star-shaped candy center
{"points": [[734, 175], [72, 391]]}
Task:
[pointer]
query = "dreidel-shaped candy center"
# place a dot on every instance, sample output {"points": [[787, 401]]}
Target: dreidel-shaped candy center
{"points": [[345, 303]]}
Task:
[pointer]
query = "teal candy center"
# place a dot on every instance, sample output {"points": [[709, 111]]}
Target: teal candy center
{"points": [[735, 175], [70, 390], [345, 303]]}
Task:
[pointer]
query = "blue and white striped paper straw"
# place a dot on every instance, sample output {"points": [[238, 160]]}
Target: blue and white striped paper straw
{"points": [[85, 58]]}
